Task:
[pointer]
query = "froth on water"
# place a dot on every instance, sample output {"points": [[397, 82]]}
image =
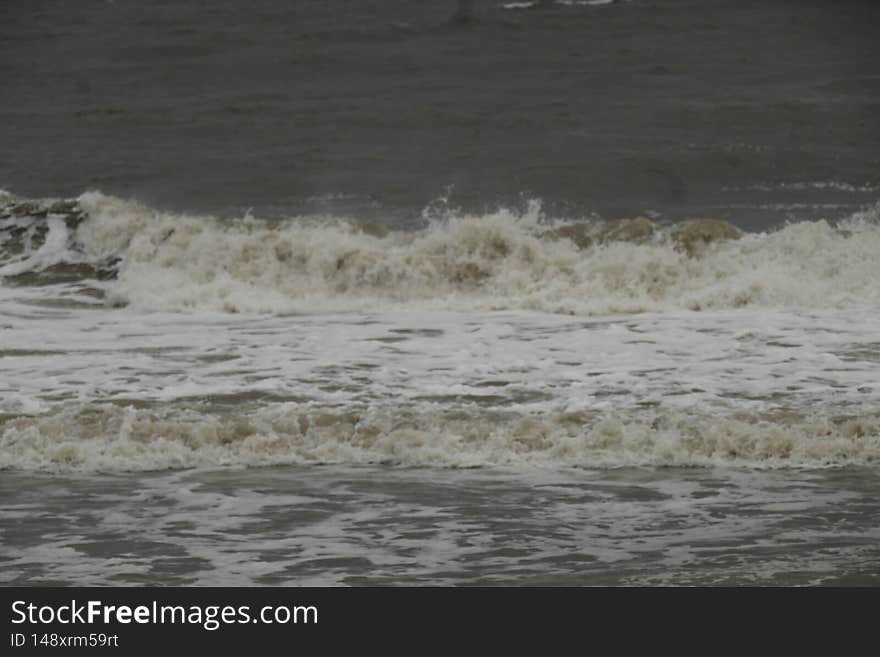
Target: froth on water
{"points": [[505, 260]]}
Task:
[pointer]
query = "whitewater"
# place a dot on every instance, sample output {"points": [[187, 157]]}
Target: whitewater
{"points": [[136, 339]]}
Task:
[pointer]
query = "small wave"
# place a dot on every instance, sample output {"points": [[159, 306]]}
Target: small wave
{"points": [[114, 438], [821, 185], [566, 3]]}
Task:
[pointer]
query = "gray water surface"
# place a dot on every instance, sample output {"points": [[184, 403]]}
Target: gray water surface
{"points": [[384, 526], [376, 108]]}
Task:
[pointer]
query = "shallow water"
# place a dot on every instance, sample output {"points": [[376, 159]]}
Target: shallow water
{"points": [[385, 526]]}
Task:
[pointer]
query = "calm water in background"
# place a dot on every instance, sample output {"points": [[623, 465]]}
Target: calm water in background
{"points": [[190, 395], [686, 107]]}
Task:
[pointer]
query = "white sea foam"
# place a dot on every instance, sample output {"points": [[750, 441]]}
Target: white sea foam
{"points": [[820, 185], [567, 3], [112, 438], [122, 390], [778, 367], [519, 362], [51, 250], [503, 260]]}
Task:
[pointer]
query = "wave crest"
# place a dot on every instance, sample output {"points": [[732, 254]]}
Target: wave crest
{"points": [[502, 260], [114, 438]]}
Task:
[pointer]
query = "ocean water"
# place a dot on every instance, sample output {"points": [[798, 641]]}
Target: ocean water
{"points": [[315, 294]]}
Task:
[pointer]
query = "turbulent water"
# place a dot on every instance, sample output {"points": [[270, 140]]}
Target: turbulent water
{"points": [[634, 341], [136, 339]]}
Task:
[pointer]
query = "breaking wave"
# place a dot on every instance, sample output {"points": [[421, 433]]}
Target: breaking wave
{"points": [[115, 438], [504, 260]]}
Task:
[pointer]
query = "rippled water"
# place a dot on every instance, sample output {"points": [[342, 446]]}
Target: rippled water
{"points": [[379, 526]]}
